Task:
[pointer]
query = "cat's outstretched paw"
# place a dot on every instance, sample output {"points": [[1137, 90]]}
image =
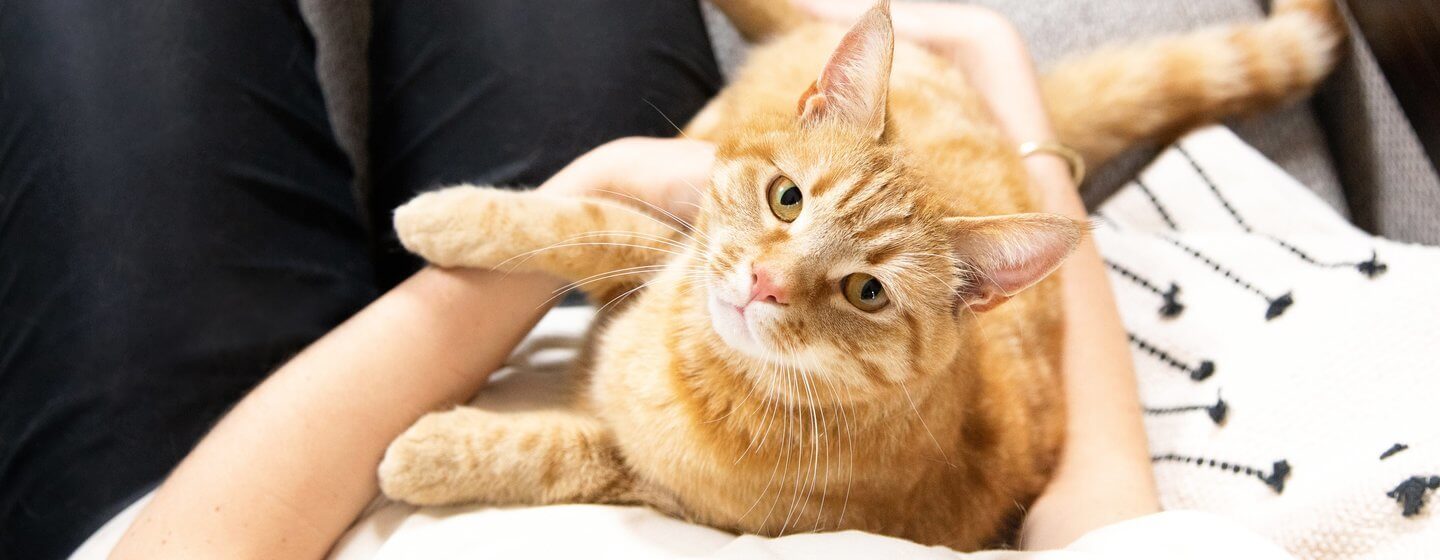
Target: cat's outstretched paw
{"points": [[421, 467], [456, 226]]}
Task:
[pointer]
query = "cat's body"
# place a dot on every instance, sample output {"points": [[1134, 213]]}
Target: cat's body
{"points": [[922, 418]]}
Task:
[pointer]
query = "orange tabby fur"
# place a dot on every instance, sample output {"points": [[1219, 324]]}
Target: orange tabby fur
{"points": [[936, 418]]}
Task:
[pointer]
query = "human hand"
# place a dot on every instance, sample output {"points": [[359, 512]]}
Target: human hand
{"points": [[661, 175]]}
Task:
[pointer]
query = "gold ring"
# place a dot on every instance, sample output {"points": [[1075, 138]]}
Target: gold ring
{"points": [[1071, 157]]}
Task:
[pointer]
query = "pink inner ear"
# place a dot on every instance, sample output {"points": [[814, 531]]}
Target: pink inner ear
{"points": [[1011, 253], [855, 83], [1012, 279]]}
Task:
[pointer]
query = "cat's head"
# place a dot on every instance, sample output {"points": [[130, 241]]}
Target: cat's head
{"points": [[825, 252]]}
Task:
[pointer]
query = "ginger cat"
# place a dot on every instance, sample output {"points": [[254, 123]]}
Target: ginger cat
{"points": [[826, 349]]}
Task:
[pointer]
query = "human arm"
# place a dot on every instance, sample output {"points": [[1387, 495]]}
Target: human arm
{"points": [[1104, 475], [291, 466]]}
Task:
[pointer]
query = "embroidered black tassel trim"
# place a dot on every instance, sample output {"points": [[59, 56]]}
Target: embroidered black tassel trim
{"points": [[1155, 201], [1201, 372], [1275, 479], [1171, 305], [1277, 306], [1216, 412], [1369, 268]]}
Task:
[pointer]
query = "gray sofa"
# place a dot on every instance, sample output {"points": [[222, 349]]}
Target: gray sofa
{"points": [[1351, 144]]}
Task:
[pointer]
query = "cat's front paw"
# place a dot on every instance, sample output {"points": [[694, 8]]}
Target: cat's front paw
{"points": [[420, 466], [454, 226]]}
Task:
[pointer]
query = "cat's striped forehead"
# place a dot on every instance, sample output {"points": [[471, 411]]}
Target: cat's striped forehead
{"points": [[865, 184], [861, 209]]}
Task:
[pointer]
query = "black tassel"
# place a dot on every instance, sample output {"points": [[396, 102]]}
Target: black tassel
{"points": [[1411, 493], [1218, 411], [1203, 371], [1393, 450], [1278, 473], [1372, 267], [1172, 306], [1278, 306]]}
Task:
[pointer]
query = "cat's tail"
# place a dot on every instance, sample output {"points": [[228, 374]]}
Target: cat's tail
{"points": [[758, 20], [1154, 91]]}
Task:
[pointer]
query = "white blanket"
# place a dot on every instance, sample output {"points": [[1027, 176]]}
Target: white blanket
{"points": [[1342, 369]]}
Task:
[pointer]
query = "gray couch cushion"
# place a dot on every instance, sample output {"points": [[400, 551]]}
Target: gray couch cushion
{"points": [[1392, 187], [342, 42]]}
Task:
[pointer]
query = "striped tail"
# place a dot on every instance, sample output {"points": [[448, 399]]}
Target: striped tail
{"points": [[758, 20], [1117, 97]]}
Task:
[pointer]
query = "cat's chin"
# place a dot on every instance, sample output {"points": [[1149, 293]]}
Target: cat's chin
{"points": [[734, 328]]}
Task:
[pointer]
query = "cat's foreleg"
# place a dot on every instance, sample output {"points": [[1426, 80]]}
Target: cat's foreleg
{"points": [[468, 455], [603, 244]]}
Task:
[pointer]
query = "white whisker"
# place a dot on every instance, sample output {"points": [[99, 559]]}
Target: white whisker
{"points": [[608, 275], [923, 424], [640, 235], [671, 215], [560, 245], [616, 300], [560, 292], [666, 117]]}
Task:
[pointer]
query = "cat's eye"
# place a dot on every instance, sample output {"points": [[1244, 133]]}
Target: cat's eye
{"points": [[865, 292], [785, 199]]}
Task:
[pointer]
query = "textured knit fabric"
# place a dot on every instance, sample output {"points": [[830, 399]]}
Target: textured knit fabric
{"points": [[1281, 352]]}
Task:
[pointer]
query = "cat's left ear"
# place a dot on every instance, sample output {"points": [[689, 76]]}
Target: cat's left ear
{"points": [[855, 84], [1010, 253]]}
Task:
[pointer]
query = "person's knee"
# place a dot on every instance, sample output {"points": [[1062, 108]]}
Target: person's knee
{"points": [[154, 77], [520, 87]]}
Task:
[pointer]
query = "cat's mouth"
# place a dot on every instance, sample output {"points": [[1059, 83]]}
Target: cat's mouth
{"points": [[736, 325]]}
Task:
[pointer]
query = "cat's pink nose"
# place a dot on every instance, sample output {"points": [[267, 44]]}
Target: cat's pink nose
{"points": [[764, 287]]}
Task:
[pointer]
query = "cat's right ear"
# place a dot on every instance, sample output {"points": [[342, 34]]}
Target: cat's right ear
{"points": [[855, 84], [1006, 254]]}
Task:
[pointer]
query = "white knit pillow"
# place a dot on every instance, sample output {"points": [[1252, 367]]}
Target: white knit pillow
{"points": [[1281, 353]]}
